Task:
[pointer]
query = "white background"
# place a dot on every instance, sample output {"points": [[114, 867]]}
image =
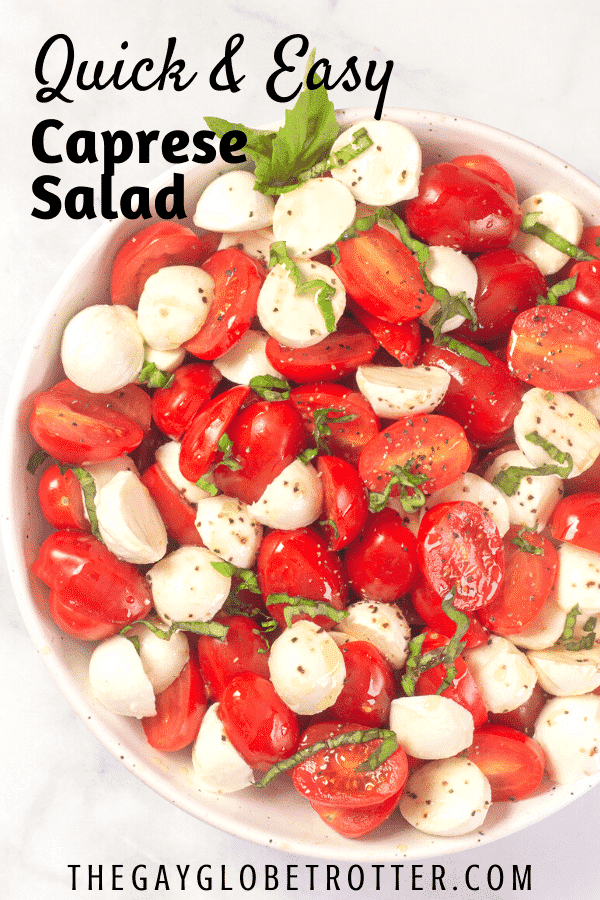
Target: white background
{"points": [[529, 68]]}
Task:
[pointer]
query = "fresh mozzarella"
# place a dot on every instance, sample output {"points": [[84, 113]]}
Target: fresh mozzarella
{"points": [[174, 305], [292, 500], [307, 668], [246, 359], [218, 767], [590, 399], [561, 420], [165, 360], [396, 391], [230, 203], [534, 500], [476, 490], [544, 630], [167, 456], [102, 348], [446, 798], [431, 726], [454, 271], [105, 471], [567, 673], [294, 319], [578, 580], [562, 217], [386, 172], [128, 520], [118, 680], [227, 528], [503, 674], [162, 659], [383, 624], [313, 216], [186, 586], [256, 244], [568, 729]]}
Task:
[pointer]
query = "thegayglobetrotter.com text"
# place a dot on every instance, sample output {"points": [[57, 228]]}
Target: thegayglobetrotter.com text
{"points": [[301, 877]]}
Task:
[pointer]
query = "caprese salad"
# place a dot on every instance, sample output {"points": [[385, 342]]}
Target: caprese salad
{"points": [[324, 479]]}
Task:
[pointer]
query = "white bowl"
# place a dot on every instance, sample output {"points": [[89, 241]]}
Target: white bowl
{"points": [[277, 816]]}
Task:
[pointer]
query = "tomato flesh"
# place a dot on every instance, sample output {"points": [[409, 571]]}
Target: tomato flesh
{"points": [[512, 762], [180, 709]]}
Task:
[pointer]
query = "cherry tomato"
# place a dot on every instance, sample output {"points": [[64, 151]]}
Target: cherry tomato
{"points": [[345, 503], [381, 563], [528, 580], [577, 519], [200, 443], [257, 722], [463, 687], [61, 500], [354, 823], [483, 395], [433, 445], [382, 276], [489, 168], [238, 279], [585, 296], [457, 207], [159, 245], [512, 762], [337, 355], [174, 407], [178, 515], [369, 687], [459, 546], [299, 563], [266, 437], [74, 427], [93, 594], [401, 340], [331, 776], [243, 649], [590, 240], [180, 709], [555, 348], [428, 605]]}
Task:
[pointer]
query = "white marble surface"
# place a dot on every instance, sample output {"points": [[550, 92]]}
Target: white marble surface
{"points": [[526, 66]]}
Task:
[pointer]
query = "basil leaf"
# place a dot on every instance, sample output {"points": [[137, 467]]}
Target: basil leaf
{"points": [[462, 349], [319, 288], [88, 489], [212, 629], [311, 608], [36, 459], [358, 144], [410, 495], [154, 377], [259, 146], [211, 489], [270, 388], [523, 544], [322, 428], [530, 225], [509, 479], [558, 291]]}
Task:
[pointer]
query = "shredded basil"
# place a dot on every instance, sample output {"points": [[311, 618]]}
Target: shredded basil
{"points": [[322, 420], [36, 459], [312, 608], [419, 662], [557, 291], [410, 495], [523, 544], [509, 479], [462, 349], [247, 576], [270, 388], [154, 377], [212, 629], [531, 225], [587, 641], [317, 287]]}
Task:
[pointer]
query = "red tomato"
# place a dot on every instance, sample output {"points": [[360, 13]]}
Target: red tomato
{"points": [[354, 823], [576, 519], [345, 502], [299, 563], [401, 340], [180, 709], [459, 545], [463, 689], [528, 580], [93, 594], [508, 282], [243, 649], [332, 358], [524, 717], [369, 687], [459, 208], [512, 762], [382, 276], [433, 445], [61, 500], [131, 401], [200, 443], [238, 279], [75, 427], [381, 563], [178, 515], [428, 605], [174, 407], [331, 776], [266, 437], [257, 722], [589, 239], [489, 168], [555, 348], [484, 399], [159, 245], [585, 296]]}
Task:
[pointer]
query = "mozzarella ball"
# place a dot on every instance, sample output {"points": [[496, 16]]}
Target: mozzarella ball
{"points": [[534, 500], [397, 391], [186, 586], [165, 360], [307, 668], [568, 729], [292, 500], [129, 521], [544, 630], [218, 767], [503, 674], [446, 798], [227, 528], [578, 579], [566, 673], [476, 490], [558, 214], [454, 271], [118, 679], [256, 244], [167, 456], [313, 216], [246, 359], [174, 305], [105, 471], [431, 726], [162, 659], [102, 348], [230, 203], [383, 624]]}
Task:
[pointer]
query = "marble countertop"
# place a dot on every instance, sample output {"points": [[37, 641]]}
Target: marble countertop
{"points": [[528, 67]]}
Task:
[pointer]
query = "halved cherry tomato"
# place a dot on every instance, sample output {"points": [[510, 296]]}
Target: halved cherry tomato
{"points": [[61, 500], [243, 649], [459, 547], [457, 207], [180, 709], [512, 762], [528, 580], [159, 245], [345, 502], [200, 443], [178, 515], [428, 605], [585, 296], [463, 688], [337, 355], [382, 276], [577, 519], [590, 240], [401, 340], [238, 279], [555, 348], [381, 563], [174, 407], [369, 687], [487, 167], [74, 427], [354, 823], [93, 594], [257, 722]]}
